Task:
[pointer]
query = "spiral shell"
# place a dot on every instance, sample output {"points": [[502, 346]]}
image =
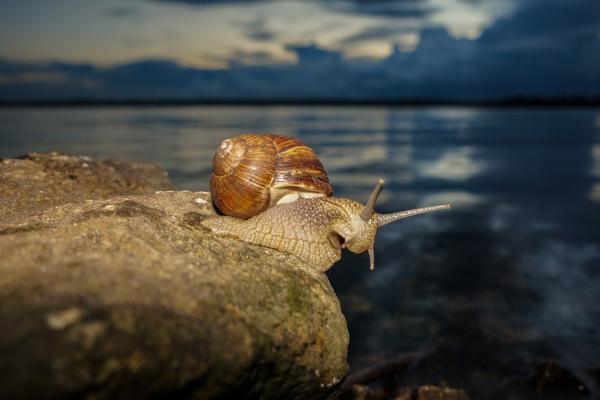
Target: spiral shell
{"points": [[253, 172]]}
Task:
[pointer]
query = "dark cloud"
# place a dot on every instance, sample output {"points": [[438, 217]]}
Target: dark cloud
{"points": [[384, 8], [384, 32], [257, 30], [261, 36], [312, 55], [241, 57], [45, 81], [126, 13], [545, 48], [554, 20], [211, 2]]}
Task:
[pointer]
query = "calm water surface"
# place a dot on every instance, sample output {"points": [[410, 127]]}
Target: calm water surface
{"points": [[512, 271]]}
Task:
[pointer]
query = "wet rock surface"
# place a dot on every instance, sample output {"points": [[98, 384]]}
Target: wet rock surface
{"points": [[110, 289]]}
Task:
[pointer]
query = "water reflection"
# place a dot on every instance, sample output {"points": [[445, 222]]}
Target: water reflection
{"points": [[455, 164]]}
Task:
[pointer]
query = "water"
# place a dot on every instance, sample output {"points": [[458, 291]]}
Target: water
{"points": [[512, 271]]}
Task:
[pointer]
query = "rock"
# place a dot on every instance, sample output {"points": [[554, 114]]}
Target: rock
{"points": [[550, 377], [428, 392], [36, 182], [128, 296], [357, 392]]}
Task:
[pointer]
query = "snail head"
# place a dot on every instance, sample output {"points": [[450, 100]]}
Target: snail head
{"points": [[364, 238]]}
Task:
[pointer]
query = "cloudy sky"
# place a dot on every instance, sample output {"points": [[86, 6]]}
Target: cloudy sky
{"points": [[148, 49]]}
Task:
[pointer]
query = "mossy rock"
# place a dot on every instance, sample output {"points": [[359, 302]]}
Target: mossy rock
{"points": [[109, 295]]}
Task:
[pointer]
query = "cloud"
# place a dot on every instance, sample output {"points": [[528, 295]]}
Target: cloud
{"points": [[127, 13], [45, 81], [311, 55], [545, 47], [380, 32], [386, 8], [565, 21], [256, 29], [541, 49], [241, 57], [211, 2], [133, 42], [123, 12], [149, 78]]}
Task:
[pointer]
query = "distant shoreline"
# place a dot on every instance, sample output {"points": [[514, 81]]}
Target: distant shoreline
{"points": [[575, 101]]}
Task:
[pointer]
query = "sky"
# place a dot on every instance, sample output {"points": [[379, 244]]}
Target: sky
{"points": [[290, 49]]}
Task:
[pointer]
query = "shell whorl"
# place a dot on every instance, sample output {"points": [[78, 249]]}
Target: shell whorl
{"points": [[253, 172]]}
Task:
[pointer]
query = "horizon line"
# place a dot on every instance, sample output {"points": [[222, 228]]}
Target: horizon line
{"points": [[521, 101]]}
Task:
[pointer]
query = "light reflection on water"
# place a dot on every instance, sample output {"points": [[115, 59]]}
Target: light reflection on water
{"points": [[516, 262]]}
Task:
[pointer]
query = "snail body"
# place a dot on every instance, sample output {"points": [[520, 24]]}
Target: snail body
{"points": [[301, 217], [312, 229]]}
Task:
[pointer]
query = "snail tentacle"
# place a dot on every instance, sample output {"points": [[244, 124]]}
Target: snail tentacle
{"points": [[384, 219]]}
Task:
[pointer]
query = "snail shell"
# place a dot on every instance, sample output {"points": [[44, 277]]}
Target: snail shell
{"points": [[254, 172]]}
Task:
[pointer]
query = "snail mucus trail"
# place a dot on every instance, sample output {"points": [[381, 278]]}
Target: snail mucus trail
{"points": [[293, 209]]}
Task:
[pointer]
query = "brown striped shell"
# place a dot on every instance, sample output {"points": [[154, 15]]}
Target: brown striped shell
{"points": [[253, 172]]}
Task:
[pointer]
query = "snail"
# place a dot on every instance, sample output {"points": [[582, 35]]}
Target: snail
{"points": [[275, 193]]}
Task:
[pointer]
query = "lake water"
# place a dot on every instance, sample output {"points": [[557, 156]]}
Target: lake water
{"points": [[512, 272]]}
